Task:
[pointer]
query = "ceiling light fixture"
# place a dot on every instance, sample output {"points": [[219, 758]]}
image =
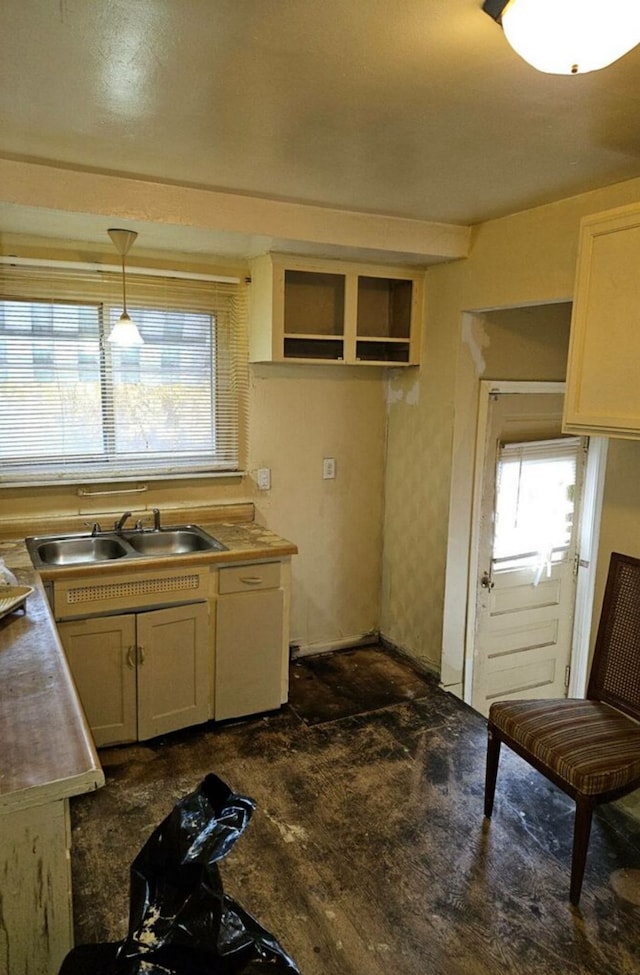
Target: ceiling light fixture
{"points": [[125, 331], [568, 36]]}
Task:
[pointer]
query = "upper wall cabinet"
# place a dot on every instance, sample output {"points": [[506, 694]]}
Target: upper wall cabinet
{"points": [[329, 311], [603, 377]]}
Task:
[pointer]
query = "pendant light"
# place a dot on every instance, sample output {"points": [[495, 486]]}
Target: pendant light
{"points": [[125, 331], [568, 36]]}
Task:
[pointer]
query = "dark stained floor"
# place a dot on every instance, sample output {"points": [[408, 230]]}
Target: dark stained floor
{"points": [[331, 686], [368, 853]]}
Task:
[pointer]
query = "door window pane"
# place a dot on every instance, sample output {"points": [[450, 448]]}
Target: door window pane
{"points": [[535, 500]]}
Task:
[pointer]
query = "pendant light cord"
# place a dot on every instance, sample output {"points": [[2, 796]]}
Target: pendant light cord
{"points": [[124, 290]]}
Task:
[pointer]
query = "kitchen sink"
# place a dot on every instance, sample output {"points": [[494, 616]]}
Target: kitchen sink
{"points": [[47, 551], [69, 551], [173, 541]]}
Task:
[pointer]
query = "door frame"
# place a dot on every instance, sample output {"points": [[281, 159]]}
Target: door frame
{"points": [[588, 534]]}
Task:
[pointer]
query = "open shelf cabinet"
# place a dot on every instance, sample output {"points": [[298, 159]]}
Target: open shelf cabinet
{"points": [[330, 311]]}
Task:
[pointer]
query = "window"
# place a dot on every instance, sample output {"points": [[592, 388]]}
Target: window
{"points": [[535, 503], [75, 407]]}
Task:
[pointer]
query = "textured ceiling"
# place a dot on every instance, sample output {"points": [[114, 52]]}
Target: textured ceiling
{"points": [[411, 108]]}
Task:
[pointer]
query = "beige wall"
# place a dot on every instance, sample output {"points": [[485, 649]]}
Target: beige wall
{"points": [[300, 414], [524, 343], [521, 260], [620, 526]]}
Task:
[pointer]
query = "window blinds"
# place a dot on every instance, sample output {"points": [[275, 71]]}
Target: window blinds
{"points": [[535, 500], [75, 407]]}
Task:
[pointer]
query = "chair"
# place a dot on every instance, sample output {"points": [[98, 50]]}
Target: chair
{"points": [[588, 748]]}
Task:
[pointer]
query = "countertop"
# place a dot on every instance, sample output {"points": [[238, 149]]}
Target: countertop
{"points": [[47, 749], [244, 541]]}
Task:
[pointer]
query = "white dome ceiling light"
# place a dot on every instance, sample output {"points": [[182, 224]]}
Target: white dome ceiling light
{"points": [[568, 36]]}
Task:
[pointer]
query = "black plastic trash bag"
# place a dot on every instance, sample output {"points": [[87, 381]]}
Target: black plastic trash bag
{"points": [[180, 920]]}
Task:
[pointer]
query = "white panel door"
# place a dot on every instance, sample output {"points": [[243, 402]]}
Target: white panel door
{"points": [[525, 591]]}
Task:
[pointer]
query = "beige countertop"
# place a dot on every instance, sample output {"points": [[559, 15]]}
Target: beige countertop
{"points": [[244, 542], [47, 749], [243, 539]]}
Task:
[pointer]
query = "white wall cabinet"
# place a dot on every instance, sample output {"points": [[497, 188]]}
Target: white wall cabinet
{"points": [[332, 311], [141, 674], [252, 641], [603, 392]]}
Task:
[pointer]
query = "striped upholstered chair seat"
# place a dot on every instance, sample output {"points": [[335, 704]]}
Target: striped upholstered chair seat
{"points": [[590, 745], [590, 749]]}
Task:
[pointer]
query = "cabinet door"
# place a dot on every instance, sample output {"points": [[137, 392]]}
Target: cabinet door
{"points": [[173, 669], [249, 628], [101, 654], [603, 393]]}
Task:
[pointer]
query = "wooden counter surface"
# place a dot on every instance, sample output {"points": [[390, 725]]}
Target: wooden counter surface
{"points": [[47, 750]]}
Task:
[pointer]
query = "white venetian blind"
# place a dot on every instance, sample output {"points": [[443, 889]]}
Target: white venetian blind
{"points": [[535, 500], [75, 407]]}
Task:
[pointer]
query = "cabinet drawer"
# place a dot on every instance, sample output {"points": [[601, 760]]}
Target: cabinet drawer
{"points": [[244, 578]]}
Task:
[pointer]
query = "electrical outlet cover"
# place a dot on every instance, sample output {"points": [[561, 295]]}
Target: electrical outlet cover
{"points": [[264, 478]]}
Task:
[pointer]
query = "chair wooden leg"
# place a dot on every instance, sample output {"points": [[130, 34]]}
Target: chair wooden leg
{"points": [[493, 757], [582, 829]]}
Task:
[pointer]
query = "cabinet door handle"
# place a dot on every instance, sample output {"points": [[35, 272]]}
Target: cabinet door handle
{"points": [[130, 659], [251, 580], [141, 654]]}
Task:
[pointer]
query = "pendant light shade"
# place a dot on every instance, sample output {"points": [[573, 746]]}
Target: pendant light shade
{"points": [[569, 36], [125, 331]]}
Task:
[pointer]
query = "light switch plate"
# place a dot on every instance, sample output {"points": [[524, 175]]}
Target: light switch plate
{"points": [[264, 478], [328, 468]]}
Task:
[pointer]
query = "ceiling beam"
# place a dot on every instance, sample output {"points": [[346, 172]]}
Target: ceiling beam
{"points": [[112, 197]]}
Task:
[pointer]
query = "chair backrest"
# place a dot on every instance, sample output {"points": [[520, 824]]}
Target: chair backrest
{"points": [[615, 670]]}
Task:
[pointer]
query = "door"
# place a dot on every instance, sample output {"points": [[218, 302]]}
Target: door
{"points": [[525, 579], [249, 627], [102, 656], [173, 669]]}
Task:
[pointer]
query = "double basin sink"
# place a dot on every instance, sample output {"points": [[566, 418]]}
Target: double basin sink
{"points": [[47, 551]]}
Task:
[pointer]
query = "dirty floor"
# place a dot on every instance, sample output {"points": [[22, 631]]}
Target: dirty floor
{"points": [[368, 853]]}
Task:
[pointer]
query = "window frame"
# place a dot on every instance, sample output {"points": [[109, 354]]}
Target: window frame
{"points": [[228, 369]]}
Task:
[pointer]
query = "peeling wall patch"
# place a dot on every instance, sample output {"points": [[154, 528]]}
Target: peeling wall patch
{"points": [[474, 336]]}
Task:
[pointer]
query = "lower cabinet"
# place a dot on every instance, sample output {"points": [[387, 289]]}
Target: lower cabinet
{"points": [[144, 668], [251, 640], [36, 928], [141, 674]]}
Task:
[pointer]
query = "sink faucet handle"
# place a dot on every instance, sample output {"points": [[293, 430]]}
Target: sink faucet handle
{"points": [[94, 526]]}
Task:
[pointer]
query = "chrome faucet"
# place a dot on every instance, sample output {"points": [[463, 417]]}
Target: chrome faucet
{"points": [[156, 519], [119, 524]]}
